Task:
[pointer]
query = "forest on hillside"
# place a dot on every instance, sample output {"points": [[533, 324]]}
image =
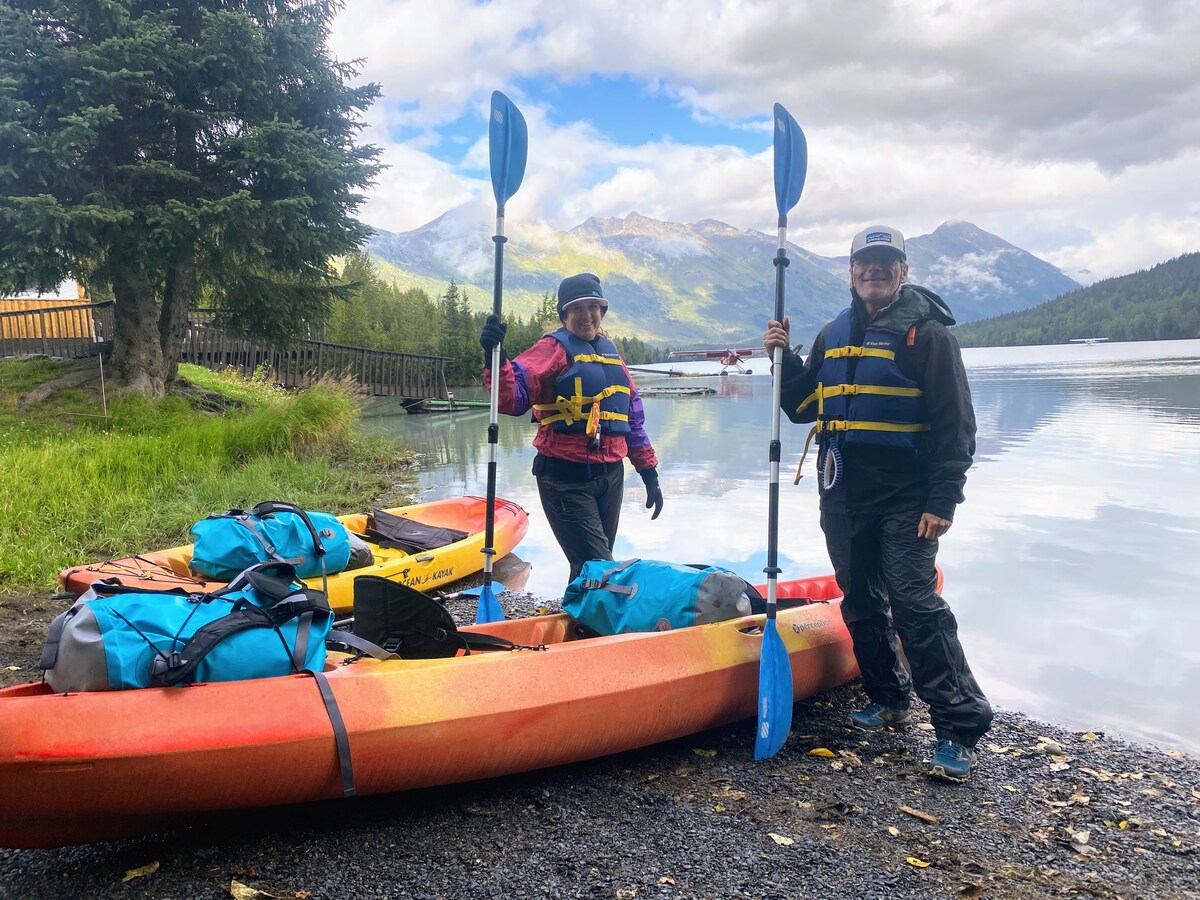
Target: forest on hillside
{"points": [[1158, 304], [380, 316]]}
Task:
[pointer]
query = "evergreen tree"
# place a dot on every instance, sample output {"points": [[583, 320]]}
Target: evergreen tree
{"points": [[163, 150]]}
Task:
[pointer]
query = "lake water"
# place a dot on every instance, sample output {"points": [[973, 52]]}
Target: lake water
{"points": [[1073, 566]]}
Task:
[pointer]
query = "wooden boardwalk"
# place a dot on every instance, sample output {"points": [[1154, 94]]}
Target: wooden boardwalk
{"points": [[83, 330]]}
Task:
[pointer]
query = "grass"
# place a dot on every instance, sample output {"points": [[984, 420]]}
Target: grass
{"points": [[80, 488]]}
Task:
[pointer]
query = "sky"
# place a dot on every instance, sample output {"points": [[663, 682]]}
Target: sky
{"points": [[1070, 129]]}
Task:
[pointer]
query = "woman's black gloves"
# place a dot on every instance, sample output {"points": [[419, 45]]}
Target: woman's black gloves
{"points": [[654, 497], [492, 334]]}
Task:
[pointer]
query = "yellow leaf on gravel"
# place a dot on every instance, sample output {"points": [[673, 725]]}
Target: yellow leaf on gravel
{"points": [[148, 869], [823, 752], [719, 808], [919, 863], [1088, 735], [12, 668], [700, 751], [240, 891], [893, 831], [1009, 787], [666, 879], [780, 839]]}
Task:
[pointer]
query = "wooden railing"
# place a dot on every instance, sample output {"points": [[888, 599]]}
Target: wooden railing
{"points": [[78, 331], [384, 373], [72, 331]]}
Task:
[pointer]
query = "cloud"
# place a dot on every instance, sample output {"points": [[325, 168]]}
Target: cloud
{"points": [[1069, 129], [974, 273]]}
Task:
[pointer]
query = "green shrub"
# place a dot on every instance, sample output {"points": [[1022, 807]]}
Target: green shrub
{"points": [[109, 488]]}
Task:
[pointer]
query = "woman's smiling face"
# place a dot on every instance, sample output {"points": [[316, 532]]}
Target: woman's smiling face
{"points": [[582, 317]]}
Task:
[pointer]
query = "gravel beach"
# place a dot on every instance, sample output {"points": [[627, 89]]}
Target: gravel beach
{"points": [[1049, 813]]}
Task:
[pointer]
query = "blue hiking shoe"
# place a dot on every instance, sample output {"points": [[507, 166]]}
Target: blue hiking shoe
{"points": [[952, 761], [877, 717]]}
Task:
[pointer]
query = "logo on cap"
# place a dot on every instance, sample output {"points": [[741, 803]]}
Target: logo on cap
{"points": [[876, 236]]}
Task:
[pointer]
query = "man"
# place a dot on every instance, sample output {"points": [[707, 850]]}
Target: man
{"points": [[895, 432]]}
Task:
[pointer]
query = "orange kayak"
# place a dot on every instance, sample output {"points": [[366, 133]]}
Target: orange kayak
{"points": [[76, 768], [423, 570]]}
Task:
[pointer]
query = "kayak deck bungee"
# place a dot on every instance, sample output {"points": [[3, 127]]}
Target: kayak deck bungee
{"points": [[423, 570], [77, 768]]}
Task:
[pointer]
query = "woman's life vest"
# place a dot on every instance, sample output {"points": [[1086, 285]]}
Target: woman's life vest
{"points": [[592, 395]]}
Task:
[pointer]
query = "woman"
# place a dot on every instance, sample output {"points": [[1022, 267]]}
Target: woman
{"points": [[589, 417]]}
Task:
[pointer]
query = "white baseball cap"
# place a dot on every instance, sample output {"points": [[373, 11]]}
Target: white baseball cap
{"points": [[878, 236]]}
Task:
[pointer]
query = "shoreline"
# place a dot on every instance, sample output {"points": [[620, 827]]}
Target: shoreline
{"points": [[1049, 812]]}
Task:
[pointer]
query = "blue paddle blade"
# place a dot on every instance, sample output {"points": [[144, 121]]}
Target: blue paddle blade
{"points": [[508, 144], [497, 588], [775, 695], [791, 160], [489, 608]]}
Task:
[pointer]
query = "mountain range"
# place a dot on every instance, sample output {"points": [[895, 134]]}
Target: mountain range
{"points": [[707, 283]]}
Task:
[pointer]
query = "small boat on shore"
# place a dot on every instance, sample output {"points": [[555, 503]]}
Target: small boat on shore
{"points": [[420, 568], [85, 767], [676, 391], [418, 407]]}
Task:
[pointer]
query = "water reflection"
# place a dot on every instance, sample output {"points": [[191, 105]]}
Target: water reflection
{"points": [[1071, 566]]}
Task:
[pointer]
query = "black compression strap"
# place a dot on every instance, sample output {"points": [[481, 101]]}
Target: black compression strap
{"points": [[340, 736]]}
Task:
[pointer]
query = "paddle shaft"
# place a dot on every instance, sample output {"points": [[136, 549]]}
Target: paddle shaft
{"points": [[772, 568], [489, 530]]}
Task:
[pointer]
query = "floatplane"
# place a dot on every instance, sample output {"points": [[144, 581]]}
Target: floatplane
{"points": [[729, 359], [1090, 340]]}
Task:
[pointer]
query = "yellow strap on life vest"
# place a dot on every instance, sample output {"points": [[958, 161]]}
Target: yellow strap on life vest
{"points": [[800, 466], [839, 390], [808, 401], [851, 390], [593, 357], [838, 352], [844, 425], [571, 409]]}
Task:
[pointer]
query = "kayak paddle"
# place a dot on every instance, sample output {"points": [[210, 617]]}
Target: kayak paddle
{"points": [[495, 587], [508, 144], [774, 667]]}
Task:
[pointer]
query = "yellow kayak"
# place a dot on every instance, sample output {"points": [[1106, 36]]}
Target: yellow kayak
{"points": [[423, 570]]}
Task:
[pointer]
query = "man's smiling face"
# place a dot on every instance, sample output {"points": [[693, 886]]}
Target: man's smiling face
{"points": [[876, 275]]}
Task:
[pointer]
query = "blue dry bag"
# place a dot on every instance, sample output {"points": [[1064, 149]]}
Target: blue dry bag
{"points": [[264, 623], [646, 595], [315, 543]]}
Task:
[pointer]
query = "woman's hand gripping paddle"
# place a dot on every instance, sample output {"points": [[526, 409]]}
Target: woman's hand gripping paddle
{"points": [[508, 143], [775, 694]]}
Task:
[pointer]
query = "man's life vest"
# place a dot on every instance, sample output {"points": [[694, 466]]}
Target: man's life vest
{"points": [[592, 395], [862, 396]]}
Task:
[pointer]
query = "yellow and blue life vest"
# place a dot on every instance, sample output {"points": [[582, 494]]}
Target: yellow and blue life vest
{"points": [[862, 396], [592, 395]]}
